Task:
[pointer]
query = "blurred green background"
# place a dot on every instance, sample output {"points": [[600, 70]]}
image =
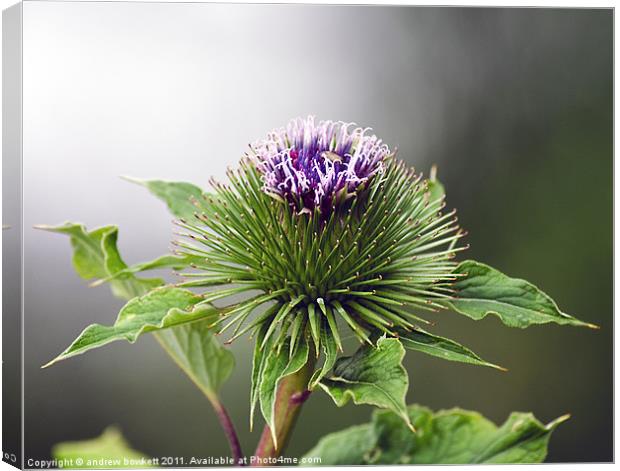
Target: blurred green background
{"points": [[515, 107]]}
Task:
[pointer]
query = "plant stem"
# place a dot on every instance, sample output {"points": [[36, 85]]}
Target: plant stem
{"points": [[291, 395], [229, 431], [218, 407]]}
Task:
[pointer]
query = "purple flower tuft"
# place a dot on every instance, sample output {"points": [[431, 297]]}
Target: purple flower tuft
{"points": [[312, 165]]}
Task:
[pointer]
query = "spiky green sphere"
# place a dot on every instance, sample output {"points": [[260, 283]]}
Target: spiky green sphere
{"points": [[367, 262]]}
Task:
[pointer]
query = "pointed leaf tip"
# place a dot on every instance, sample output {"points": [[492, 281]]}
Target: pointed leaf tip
{"points": [[180, 197], [560, 420], [441, 347], [454, 436], [127, 178], [433, 173], [159, 309], [517, 303]]}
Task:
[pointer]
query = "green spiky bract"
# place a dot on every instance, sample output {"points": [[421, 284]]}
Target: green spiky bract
{"points": [[381, 252]]}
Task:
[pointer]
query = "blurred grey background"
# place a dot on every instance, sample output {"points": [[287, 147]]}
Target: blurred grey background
{"points": [[514, 105]]}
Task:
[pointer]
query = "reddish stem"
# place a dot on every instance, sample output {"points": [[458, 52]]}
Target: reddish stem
{"points": [[292, 394], [229, 431]]}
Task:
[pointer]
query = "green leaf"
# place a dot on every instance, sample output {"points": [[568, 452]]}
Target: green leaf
{"points": [[96, 255], [193, 346], [346, 447], [175, 262], [278, 365], [108, 451], [453, 436], [457, 436], [518, 303], [198, 353], [521, 439], [394, 442], [177, 195], [159, 309], [330, 350], [441, 347], [373, 375], [258, 366]]}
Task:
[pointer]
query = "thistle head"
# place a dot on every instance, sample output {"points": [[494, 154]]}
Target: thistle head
{"points": [[308, 276], [312, 165]]}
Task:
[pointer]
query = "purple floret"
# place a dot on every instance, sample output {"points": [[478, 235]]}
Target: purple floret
{"points": [[309, 164]]}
